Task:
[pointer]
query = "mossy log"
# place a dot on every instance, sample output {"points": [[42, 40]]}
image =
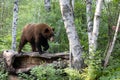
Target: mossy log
{"points": [[16, 63]]}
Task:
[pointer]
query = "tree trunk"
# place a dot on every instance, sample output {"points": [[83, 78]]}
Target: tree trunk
{"points": [[16, 63], [47, 5], [89, 21], [96, 25], [75, 47], [113, 42], [92, 69], [14, 24], [72, 3]]}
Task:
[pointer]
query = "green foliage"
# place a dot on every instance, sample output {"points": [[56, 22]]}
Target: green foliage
{"points": [[73, 74], [24, 76], [112, 72], [93, 70], [5, 43], [3, 74], [45, 73], [80, 23]]}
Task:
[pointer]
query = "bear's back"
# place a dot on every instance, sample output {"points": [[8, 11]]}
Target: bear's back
{"points": [[40, 28], [28, 31]]}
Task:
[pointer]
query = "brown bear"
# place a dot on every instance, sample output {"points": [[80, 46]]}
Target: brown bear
{"points": [[37, 35]]}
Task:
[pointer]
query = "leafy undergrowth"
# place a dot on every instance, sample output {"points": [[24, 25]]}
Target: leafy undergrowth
{"points": [[111, 72], [3, 74], [44, 73]]}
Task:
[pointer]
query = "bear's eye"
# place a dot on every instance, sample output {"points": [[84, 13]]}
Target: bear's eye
{"points": [[52, 35]]}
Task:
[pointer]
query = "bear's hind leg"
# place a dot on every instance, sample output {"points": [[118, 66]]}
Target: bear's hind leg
{"points": [[21, 45]]}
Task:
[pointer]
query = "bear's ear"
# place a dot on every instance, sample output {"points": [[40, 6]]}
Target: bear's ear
{"points": [[53, 29], [46, 30]]}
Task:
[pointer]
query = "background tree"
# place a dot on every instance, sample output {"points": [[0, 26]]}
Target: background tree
{"points": [[113, 43], [111, 9], [73, 3], [96, 23], [14, 24], [75, 47], [47, 5], [89, 21], [91, 67]]}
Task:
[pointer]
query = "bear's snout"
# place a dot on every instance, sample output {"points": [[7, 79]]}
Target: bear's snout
{"points": [[51, 39]]}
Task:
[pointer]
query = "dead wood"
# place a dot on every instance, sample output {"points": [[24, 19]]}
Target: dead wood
{"points": [[17, 63]]}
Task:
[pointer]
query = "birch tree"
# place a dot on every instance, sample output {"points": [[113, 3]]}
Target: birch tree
{"points": [[47, 5], [14, 24], [92, 69], [72, 3], [96, 23], [89, 21], [72, 6], [75, 47], [113, 42]]}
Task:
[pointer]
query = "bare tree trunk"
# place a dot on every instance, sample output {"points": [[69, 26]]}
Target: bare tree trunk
{"points": [[113, 42], [72, 3], [75, 47], [89, 21], [14, 24], [47, 5], [96, 25], [93, 44]]}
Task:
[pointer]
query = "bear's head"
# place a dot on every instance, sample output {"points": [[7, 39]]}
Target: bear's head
{"points": [[49, 33]]}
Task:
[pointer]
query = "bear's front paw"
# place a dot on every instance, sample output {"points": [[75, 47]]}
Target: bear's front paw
{"points": [[40, 52], [21, 53]]}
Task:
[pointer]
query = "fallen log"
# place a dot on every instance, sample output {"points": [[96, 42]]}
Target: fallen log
{"points": [[17, 63]]}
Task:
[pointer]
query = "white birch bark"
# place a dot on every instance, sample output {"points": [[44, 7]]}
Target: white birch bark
{"points": [[93, 43], [14, 24], [89, 21], [96, 23], [72, 6], [73, 2], [47, 5], [113, 42], [75, 47]]}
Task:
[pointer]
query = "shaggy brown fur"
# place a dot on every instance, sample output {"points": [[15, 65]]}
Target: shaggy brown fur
{"points": [[37, 35]]}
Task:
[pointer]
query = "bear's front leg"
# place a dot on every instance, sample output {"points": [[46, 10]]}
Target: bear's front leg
{"points": [[38, 46], [39, 49], [45, 47]]}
